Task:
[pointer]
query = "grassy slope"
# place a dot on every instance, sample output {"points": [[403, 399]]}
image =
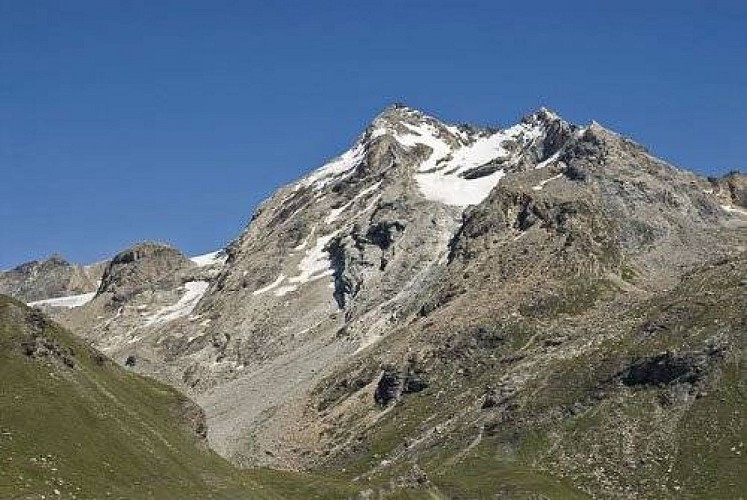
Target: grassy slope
{"points": [[97, 431], [697, 449]]}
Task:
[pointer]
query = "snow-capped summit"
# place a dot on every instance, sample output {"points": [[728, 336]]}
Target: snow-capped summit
{"points": [[421, 233], [453, 165]]}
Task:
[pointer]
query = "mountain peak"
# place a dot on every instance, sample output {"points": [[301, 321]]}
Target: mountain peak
{"points": [[143, 265], [542, 116], [601, 133], [56, 259], [397, 113]]}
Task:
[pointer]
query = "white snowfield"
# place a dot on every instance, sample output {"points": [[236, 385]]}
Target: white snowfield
{"points": [[315, 264], [440, 177], [194, 290], [340, 165], [218, 257], [70, 301]]}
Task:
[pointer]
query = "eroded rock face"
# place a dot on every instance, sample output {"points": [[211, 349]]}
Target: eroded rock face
{"points": [[388, 389], [626, 206], [731, 189]]}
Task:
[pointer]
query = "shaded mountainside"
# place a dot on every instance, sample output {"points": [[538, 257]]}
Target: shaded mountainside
{"points": [[464, 312], [76, 425]]}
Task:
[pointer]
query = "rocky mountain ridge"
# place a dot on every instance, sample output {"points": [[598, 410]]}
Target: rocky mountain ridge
{"points": [[430, 264], [48, 279]]}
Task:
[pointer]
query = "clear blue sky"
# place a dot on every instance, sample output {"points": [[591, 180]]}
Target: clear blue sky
{"points": [[171, 120]]}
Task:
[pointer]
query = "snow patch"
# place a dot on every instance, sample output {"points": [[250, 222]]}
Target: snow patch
{"points": [[271, 286], [219, 257], [340, 165], [194, 290], [427, 135], [315, 264], [457, 191], [305, 241], [283, 290], [371, 204], [69, 301], [335, 213], [479, 153], [539, 186], [441, 176], [734, 210], [547, 162]]}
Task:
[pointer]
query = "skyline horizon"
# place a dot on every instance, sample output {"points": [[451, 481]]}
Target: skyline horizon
{"points": [[304, 173], [173, 120]]}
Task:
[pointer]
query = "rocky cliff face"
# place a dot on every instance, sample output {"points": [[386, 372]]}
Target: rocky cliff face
{"points": [[416, 293], [731, 190]]}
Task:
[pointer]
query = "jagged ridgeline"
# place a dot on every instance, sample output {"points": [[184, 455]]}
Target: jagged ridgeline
{"points": [[541, 309]]}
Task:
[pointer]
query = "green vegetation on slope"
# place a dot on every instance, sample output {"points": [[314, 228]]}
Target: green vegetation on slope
{"points": [[75, 425], [73, 422]]}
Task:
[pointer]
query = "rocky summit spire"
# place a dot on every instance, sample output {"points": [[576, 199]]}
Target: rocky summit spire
{"points": [[394, 115], [542, 116]]}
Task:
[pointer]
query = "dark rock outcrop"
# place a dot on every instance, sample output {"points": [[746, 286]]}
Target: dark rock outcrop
{"points": [[671, 368], [394, 384]]}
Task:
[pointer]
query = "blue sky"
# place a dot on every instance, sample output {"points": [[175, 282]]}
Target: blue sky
{"points": [[171, 120]]}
